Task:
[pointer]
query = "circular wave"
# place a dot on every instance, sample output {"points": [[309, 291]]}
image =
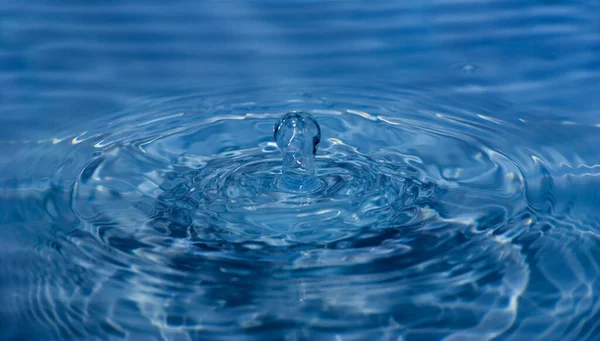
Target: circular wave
{"points": [[432, 220]]}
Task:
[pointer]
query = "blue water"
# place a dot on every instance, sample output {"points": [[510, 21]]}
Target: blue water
{"points": [[453, 195]]}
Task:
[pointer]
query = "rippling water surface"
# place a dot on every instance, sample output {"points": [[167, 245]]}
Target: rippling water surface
{"points": [[458, 171]]}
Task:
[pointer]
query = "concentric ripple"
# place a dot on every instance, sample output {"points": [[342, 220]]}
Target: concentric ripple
{"points": [[433, 219]]}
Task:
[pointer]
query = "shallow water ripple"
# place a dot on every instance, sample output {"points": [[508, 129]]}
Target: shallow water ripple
{"points": [[171, 223], [458, 173]]}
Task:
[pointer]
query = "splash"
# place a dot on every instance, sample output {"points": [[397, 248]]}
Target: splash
{"points": [[298, 135]]}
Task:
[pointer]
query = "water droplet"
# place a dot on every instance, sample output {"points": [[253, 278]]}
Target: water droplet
{"points": [[298, 134]]}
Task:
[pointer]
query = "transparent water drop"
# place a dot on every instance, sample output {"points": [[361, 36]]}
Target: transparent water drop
{"points": [[298, 134]]}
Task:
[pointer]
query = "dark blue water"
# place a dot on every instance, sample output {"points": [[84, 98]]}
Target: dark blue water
{"points": [[455, 189]]}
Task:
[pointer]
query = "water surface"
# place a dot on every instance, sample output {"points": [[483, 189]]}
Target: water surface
{"points": [[457, 171]]}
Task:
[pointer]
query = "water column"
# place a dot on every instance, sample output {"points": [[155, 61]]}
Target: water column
{"points": [[298, 134]]}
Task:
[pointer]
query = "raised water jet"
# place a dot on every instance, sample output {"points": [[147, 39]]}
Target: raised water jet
{"points": [[298, 135]]}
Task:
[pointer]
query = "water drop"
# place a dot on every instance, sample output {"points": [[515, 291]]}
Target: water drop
{"points": [[298, 134]]}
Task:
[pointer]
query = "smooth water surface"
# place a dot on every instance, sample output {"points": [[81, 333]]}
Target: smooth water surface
{"points": [[453, 195]]}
